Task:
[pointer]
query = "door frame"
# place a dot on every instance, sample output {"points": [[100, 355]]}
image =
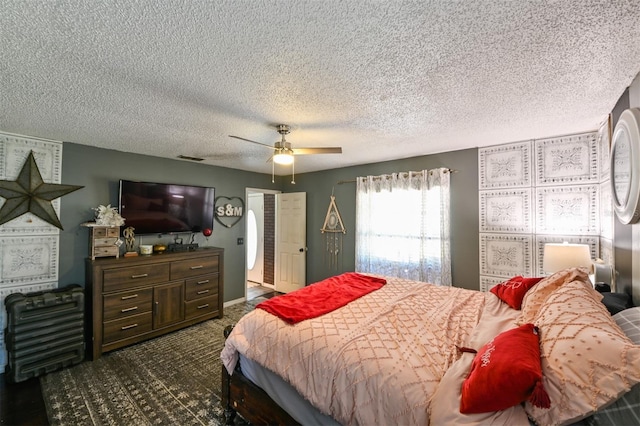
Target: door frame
{"points": [[247, 191]]}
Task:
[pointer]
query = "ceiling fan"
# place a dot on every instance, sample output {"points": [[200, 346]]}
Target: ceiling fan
{"points": [[283, 153]]}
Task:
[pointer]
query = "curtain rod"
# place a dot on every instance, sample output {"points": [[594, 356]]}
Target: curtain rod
{"points": [[340, 182]]}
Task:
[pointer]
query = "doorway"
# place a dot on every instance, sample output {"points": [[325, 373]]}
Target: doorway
{"points": [[260, 242]]}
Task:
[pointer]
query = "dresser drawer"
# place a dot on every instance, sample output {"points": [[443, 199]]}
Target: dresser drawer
{"points": [[204, 286], [127, 327], [203, 306], [194, 267], [127, 303], [100, 232], [105, 242], [125, 278]]}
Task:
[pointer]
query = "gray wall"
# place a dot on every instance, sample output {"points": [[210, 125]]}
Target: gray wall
{"points": [[100, 170], [464, 211]]}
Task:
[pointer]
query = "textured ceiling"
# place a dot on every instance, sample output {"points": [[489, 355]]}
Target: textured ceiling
{"points": [[382, 79]]}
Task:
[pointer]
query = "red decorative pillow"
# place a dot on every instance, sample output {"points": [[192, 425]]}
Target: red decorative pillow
{"points": [[505, 372], [512, 292]]}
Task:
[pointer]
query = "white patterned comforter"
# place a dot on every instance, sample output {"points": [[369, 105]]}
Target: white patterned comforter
{"points": [[378, 360]]}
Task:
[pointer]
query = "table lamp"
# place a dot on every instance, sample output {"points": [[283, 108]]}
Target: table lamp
{"points": [[565, 255]]}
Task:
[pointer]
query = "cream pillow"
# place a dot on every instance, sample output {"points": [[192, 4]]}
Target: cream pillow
{"points": [[535, 297], [587, 361]]}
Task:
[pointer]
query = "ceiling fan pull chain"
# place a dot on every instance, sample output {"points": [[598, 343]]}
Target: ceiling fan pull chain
{"points": [[293, 173], [273, 171]]}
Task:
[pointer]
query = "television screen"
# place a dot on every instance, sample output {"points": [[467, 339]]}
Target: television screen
{"points": [[160, 208]]}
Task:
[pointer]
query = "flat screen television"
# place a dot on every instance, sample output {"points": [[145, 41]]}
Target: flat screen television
{"points": [[161, 208]]}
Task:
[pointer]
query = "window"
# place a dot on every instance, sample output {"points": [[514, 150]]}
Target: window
{"points": [[402, 225]]}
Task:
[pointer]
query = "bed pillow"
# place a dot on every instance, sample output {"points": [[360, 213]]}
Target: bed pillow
{"points": [[624, 411], [587, 360], [536, 296], [511, 292], [505, 372], [629, 321]]}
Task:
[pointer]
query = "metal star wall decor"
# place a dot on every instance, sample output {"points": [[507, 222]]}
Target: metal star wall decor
{"points": [[30, 194]]}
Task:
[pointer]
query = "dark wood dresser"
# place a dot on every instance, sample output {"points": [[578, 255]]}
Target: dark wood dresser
{"points": [[132, 299]]}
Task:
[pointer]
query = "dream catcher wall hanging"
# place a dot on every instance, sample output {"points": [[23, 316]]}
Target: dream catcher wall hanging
{"points": [[333, 231]]}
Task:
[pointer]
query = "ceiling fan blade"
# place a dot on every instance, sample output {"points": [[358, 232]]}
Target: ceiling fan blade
{"points": [[307, 151], [249, 140]]}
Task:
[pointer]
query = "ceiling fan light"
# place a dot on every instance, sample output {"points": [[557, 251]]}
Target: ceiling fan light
{"points": [[283, 158]]}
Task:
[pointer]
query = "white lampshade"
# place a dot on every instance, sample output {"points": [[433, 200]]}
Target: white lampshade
{"points": [[561, 256]]}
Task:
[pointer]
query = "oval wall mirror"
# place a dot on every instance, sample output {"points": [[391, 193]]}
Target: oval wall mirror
{"points": [[625, 167]]}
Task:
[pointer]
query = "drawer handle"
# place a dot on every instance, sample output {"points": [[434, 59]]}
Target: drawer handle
{"points": [[126, 327], [203, 292], [133, 296], [206, 305], [129, 309], [139, 276], [202, 282], [197, 267]]}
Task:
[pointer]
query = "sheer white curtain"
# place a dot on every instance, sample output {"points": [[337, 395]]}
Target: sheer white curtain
{"points": [[402, 225]]}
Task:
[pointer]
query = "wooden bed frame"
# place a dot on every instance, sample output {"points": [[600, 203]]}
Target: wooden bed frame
{"points": [[241, 396]]}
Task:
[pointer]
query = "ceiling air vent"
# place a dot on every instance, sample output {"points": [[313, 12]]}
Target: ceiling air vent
{"points": [[186, 157]]}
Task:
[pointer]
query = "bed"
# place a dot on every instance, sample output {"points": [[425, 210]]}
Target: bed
{"points": [[531, 351]]}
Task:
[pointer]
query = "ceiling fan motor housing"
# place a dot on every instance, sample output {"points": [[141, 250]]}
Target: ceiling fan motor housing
{"points": [[283, 147], [283, 129]]}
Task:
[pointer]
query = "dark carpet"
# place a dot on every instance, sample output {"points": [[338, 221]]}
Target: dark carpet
{"points": [[170, 380]]}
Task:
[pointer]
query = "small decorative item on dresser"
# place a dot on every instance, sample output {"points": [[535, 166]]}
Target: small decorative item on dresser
{"points": [[146, 249], [129, 241], [108, 216], [159, 248], [104, 240]]}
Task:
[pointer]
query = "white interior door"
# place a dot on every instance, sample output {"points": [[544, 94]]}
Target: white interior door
{"points": [[255, 238], [291, 241]]}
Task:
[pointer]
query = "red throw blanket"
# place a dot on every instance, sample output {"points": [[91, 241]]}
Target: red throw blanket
{"points": [[322, 297]]}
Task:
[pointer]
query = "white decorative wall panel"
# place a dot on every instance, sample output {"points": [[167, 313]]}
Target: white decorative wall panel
{"points": [[568, 200], [505, 166], [567, 160], [28, 260], [505, 255], [505, 211], [606, 251], [486, 282], [15, 149], [28, 245], [606, 211], [604, 148], [567, 210]]}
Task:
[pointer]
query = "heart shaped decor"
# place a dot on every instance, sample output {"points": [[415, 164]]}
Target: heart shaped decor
{"points": [[227, 210]]}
